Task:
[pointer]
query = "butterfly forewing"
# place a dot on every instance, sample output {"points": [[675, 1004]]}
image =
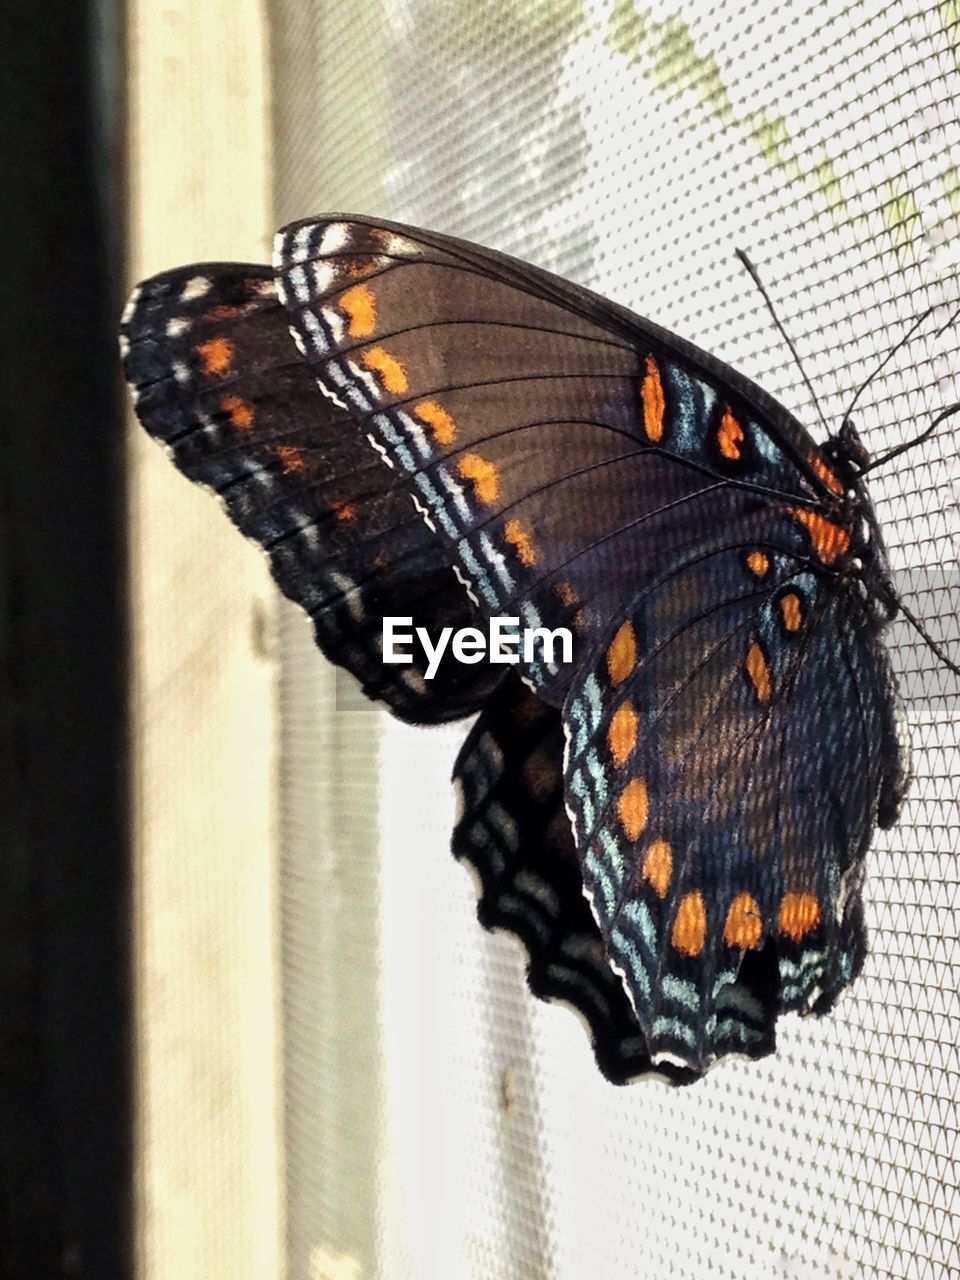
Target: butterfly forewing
{"points": [[560, 455]]}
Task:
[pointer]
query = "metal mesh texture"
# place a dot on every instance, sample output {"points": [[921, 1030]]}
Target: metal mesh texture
{"points": [[441, 1123]]}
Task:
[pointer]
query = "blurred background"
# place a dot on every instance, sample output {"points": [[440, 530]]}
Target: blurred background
{"points": [[250, 1024]]}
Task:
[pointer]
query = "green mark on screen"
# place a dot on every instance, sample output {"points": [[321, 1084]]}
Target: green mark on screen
{"points": [[773, 138], [900, 217], [828, 184], [667, 53], [950, 18], [675, 61]]}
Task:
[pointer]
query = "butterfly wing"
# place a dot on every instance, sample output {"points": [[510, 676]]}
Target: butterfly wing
{"points": [[513, 832], [729, 755], [561, 448], [567, 457], [572, 457], [216, 377]]}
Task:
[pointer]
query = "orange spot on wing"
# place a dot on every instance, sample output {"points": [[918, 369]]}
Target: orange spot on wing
{"points": [[826, 475], [216, 356], [357, 268], [792, 611], [729, 436], [657, 867], [530, 709], [651, 396], [360, 307], [344, 511], [799, 915], [690, 924], [622, 734], [392, 373], [518, 537], [633, 807], [239, 411], [622, 654], [744, 926], [438, 420], [540, 774], [484, 474], [758, 562], [225, 311], [759, 672], [293, 460], [830, 541], [566, 594]]}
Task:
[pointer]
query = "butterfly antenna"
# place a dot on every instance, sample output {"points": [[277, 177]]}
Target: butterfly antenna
{"points": [[911, 444], [755, 276], [898, 346], [928, 638]]}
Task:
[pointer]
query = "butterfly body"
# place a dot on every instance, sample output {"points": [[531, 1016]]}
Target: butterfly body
{"points": [[675, 821]]}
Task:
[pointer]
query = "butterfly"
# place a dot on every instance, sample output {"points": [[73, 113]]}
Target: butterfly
{"points": [[674, 818]]}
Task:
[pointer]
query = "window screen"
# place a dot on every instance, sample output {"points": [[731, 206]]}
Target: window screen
{"points": [[440, 1122]]}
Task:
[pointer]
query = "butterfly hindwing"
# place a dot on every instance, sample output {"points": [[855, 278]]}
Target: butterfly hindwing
{"points": [[217, 378], [725, 767], [514, 833]]}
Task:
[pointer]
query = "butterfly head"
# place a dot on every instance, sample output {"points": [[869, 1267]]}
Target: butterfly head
{"points": [[847, 450], [868, 557], [865, 564]]}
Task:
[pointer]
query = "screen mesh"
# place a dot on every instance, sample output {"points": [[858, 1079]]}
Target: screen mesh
{"points": [[440, 1122]]}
